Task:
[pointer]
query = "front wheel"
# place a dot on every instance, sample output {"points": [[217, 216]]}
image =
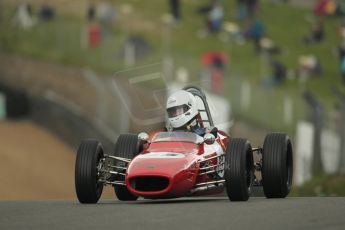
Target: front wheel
{"points": [[277, 165], [87, 187], [127, 146], [239, 169]]}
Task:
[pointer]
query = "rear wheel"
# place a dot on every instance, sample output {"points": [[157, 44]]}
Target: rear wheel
{"points": [[277, 165], [239, 169], [127, 146], [88, 189]]}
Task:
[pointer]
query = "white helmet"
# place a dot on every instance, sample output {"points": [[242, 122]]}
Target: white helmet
{"points": [[181, 108]]}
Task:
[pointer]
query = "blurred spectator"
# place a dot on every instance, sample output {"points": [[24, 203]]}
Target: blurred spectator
{"points": [[246, 8], [215, 16], [24, 16], [138, 45], [330, 8], [105, 15], [268, 46], [234, 32], [252, 7], [342, 69], [241, 9], [175, 9], [340, 8], [341, 51], [325, 7], [215, 63], [309, 65], [278, 76], [204, 9], [94, 35], [46, 13], [255, 31], [316, 35], [341, 55], [91, 13]]}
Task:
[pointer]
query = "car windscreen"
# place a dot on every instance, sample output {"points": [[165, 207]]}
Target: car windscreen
{"points": [[177, 137]]}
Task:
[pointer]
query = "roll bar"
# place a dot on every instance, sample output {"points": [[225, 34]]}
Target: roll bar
{"points": [[197, 92]]}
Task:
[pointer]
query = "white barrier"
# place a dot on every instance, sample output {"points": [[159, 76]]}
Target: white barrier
{"points": [[330, 150], [2, 106], [304, 152]]}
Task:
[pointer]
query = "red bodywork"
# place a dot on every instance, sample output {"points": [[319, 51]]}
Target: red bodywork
{"points": [[171, 169]]}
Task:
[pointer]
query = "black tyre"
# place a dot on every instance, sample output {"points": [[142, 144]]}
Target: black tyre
{"points": [[239, 169], [277, 165], [127, 146], [86, 179]]}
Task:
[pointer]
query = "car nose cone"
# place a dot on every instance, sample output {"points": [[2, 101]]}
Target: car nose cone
{"points": [[160, 174]]}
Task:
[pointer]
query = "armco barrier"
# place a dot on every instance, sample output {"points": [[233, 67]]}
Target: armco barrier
{"points": [[66, 124]]}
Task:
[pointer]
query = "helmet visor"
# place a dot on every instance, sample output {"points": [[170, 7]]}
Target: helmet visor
{"points": [[177, 110]]}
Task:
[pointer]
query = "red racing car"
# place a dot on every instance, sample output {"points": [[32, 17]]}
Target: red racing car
{"points": [[171, 164]]}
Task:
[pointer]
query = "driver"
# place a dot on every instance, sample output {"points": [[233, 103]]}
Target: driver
{"points": [[183, 113]]}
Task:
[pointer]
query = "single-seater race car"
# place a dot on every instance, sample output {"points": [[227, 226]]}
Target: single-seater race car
{"points": [[172, 164]]}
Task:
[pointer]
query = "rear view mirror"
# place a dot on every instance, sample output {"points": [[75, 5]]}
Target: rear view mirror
{"points": [[143, 137], [209, 138]]}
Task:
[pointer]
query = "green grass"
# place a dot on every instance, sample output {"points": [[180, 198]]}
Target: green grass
{"points": [[322, 185], [59, 41]]}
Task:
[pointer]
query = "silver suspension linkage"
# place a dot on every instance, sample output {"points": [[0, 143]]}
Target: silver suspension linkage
{"points": [[126, 160], [106, 169], [210, 169], [210, 158], [210, 182], [112, 182]]}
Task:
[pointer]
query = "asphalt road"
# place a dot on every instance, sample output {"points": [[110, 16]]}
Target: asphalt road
{"points": [[186, 213]]}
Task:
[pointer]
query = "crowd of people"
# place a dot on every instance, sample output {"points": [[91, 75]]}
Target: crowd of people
{"points": [[249, 27], [99, 18], [330, 8], [246, 9], [26, 18]]}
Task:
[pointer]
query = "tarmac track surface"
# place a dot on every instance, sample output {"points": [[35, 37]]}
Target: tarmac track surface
{"points": [[184, 213]]}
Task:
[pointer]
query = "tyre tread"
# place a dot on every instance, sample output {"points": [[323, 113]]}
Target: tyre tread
{"points": [[275, 151], [85, 171], [236, 159], [126, 147]]}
